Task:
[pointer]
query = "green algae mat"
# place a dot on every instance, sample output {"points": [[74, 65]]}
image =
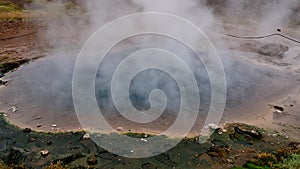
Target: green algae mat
{"points": [[236, 146]]}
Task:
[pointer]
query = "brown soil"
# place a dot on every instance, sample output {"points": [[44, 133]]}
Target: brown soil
{"points": [[20, 42]]}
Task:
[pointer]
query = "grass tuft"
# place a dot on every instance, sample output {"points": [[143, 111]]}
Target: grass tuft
{"points": [[292, 162], [6, 6]]}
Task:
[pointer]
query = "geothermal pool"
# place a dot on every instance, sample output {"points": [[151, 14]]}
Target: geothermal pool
{"points": [[39, 94]]}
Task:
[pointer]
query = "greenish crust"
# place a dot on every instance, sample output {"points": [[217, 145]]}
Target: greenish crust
{"points": [[240, 146]]}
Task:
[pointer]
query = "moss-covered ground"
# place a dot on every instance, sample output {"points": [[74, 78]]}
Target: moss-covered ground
{"points": [[240, 146]]}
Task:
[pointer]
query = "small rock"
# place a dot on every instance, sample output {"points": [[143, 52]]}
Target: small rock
{"points": [[212, 126], [32, 139], [144, 140], [92, 160], [86, 136], [38, 125], [119, 129], [44, 152], [54, 125], [278, 109], [278, 30], [14, 109], [27, 130], [196, 155], [229, 160], [3, 82], [283, 130], [253, 134]]}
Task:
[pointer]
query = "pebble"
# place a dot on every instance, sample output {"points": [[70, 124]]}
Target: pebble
{"points": [[86, 136], [196, 155], [92, 160], [230, 160], [54, 125], [144, 140], [44, 152], [120, 129], [38, 125], [212, 126], [32, 139], [14, 109], [27, 130]]}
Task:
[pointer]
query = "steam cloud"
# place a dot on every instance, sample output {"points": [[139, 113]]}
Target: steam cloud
{"points": [[268, 15]]}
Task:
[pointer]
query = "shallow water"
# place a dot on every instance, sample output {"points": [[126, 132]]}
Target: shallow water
{"points": [[43, 88]]}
